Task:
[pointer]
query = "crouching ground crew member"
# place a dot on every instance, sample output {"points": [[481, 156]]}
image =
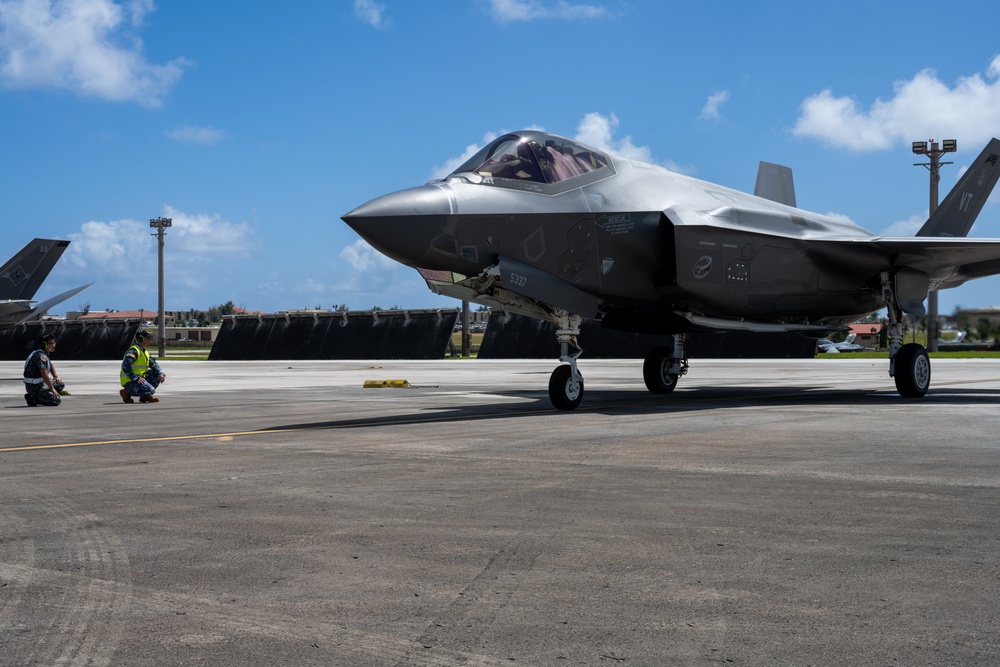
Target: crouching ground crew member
{"points": [[140, 375], [41, 383]]}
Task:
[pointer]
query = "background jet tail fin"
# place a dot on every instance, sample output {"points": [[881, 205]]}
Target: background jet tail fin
{"points": [[955, 215], [23, 274], [774, 182]]}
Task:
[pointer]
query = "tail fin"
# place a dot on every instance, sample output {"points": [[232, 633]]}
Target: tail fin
{"points": [[955, 215], [774, 182], [23, 274]]}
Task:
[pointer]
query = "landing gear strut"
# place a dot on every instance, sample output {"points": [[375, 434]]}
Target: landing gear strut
{"points": [[664, 365], [566, 383], [909, 364]]}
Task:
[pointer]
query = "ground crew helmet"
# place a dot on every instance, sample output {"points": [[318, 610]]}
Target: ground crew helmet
{"points": [[140, 334]]}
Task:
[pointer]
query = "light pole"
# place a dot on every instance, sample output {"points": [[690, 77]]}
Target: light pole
{"points": [[934, 153], [160, 224]]}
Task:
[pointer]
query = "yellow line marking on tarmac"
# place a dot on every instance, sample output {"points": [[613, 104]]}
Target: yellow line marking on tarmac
{"points": [[169, 438], [265, 431], [320, 427]]}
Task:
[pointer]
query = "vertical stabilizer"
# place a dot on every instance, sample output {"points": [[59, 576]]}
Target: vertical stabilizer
{"points": [[955, 215], [23, 274], [774, 182]]}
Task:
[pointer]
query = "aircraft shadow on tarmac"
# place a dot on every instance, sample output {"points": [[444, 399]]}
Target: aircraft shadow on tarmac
{"points": [[625, 403]]}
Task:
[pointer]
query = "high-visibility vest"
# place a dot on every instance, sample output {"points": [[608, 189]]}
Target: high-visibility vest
{"points": [[33, 373], [139, 366]]}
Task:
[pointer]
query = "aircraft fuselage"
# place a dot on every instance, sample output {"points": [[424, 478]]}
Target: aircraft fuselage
{"points": [[636, 237]]}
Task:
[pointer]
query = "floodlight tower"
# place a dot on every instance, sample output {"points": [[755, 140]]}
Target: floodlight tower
{"points": [[934, 153], [160, 224]]}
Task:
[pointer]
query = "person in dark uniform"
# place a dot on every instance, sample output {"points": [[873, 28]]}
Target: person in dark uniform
{"points": [[41, 384], [140, 374]]}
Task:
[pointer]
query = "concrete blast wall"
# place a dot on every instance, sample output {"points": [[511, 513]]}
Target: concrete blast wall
{"points": [[520, 337], [381, 334], [75, 340]]}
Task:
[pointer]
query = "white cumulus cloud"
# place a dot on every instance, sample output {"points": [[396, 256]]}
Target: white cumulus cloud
{"points": [[362, 257], [194, 134], [921, 107], [86, 46], [598, 130], [711, 109], [204, 255], [905, 228], [372, 13], [508, 11], [454, 163], [123, 252]]}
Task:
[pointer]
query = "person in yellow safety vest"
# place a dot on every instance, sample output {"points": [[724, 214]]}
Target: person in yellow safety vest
{"points": [[140, 374]]}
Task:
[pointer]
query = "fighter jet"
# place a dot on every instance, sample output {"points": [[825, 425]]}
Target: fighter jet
{"points": [[21, 277], [545, 226]]}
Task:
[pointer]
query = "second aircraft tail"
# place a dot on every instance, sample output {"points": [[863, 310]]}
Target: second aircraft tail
{"points": [[955, 215]]}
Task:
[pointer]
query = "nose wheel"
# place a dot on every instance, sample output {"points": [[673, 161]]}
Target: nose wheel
{"points": [[565, 390]]}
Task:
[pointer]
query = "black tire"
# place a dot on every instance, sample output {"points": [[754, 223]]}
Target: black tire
{"points": [[912, 371], [655, 371], [564, 393]]}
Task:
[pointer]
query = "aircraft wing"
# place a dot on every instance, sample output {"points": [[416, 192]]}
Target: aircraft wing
{"points": [[16, 311], [11, 307], [948, 262]]}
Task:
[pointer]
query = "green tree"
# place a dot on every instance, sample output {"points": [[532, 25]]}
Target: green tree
{"points": [[984, 328]]}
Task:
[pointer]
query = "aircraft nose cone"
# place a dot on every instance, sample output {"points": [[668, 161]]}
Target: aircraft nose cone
{"points": [[403, 224], [425, 200]]}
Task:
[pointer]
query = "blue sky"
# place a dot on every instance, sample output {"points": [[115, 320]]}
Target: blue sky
{"points": [[255, 125]]}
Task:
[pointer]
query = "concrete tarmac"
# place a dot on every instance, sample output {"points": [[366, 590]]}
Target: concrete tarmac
{"points": [[278, 513]]}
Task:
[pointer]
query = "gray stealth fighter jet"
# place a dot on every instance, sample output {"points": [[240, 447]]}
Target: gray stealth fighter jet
{"points": [[544, 226]]}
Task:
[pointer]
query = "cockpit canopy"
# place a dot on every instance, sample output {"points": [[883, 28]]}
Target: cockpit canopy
{"points": [[535, 157]]}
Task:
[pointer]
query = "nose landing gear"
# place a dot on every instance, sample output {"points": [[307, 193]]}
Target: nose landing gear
{"points": [[566, 382]]}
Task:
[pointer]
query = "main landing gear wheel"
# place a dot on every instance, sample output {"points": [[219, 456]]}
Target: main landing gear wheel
{"points": [[913, 371], [565, 392], [656, 371]]}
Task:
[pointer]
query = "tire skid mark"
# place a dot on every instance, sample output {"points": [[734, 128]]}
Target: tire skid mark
{"points": [[86, 616], [474, 612], [16, 547], [216, 616]]}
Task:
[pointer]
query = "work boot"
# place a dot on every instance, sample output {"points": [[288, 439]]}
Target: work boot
{"points": [[148, 399], [30, 401], [126, 398]]}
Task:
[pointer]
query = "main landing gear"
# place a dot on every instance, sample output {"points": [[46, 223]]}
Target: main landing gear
{"points": [[909, 364], [663, 366], [660, 370]]}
